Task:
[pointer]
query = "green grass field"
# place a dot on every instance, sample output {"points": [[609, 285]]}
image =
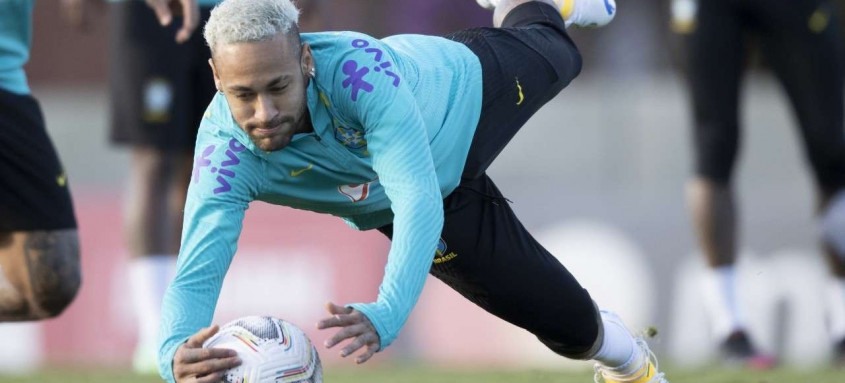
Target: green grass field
{"points": [[434, 375]]}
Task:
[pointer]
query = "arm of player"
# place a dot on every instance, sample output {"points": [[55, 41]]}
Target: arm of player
{"points": [[399, 145], [225, 179], [402, 160]]}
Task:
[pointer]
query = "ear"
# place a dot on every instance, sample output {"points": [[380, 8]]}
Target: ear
{"points": [[217, 83], [306, 61]]}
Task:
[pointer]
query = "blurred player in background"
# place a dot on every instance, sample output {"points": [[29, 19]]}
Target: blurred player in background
{"points": [[802, 43], [394, 135], [159, 87], [39, 244]]}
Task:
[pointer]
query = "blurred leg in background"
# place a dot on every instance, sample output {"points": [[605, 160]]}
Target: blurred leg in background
{"points": [[802, 43], [716, 53], [159, 92]]}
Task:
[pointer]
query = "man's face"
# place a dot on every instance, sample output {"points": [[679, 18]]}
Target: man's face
{"points": [[264, 83]]}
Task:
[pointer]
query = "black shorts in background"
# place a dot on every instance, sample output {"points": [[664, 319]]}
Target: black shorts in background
{"points": [[34, 191], [159, 89]]}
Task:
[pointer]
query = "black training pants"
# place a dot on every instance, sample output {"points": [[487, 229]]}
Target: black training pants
{"points": [[485, 253]]}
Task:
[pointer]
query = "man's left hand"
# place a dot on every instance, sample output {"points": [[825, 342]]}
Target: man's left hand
{"points": [[353, 325]]}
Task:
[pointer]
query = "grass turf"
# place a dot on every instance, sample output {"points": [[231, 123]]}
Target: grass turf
{"points": [[435, 375]]}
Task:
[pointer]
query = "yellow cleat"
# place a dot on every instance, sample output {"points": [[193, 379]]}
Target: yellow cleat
{"points": [[648, 373]]}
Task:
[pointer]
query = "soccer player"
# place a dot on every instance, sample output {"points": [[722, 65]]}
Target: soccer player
{"points": [[802, 43], [39, 244], [395, 135]]}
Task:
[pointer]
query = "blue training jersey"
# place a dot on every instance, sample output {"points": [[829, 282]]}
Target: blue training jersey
{"points": [[393, 121], [15, 38]]}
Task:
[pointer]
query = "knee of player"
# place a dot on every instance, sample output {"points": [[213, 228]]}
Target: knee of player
{"points": [[568, 61], [579, 335], [580, 346], [715, 163], [55, 276], [57, 297], [577, 62]]}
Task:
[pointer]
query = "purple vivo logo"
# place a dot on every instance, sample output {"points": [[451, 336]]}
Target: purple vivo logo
{"points": [[225, 170], [355, 71], [355, 78]]}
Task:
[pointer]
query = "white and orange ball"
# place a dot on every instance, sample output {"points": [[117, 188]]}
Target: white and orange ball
{"points": [[271, 349]]}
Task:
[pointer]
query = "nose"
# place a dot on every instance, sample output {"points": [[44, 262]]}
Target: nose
{"points": [[265, 111]]}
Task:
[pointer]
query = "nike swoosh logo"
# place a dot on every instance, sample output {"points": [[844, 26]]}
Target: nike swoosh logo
{"points": [[298, 172], [61, 179], [521, 96], [609, 7]]}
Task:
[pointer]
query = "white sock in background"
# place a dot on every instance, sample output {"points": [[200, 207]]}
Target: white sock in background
{"points": [[618, 350], [720, 300], [149, 277], [836, 308]]}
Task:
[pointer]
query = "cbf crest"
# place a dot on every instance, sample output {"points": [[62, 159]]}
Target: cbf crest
{"points": [[350, 138]]}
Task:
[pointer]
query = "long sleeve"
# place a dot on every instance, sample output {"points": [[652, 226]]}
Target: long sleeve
{"points": [[223, 183], [399, 145]]}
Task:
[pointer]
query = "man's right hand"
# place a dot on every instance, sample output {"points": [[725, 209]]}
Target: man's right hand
{"points": [[194, 364]]}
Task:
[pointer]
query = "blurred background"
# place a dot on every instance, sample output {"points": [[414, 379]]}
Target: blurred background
{"points": [[598, 176]]}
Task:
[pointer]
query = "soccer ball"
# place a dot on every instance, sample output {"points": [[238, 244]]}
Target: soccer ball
{"points": [[271, 351]]}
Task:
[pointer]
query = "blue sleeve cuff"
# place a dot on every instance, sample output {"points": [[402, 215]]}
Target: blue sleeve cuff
{"points": [[165, 361], [376, 314]]}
